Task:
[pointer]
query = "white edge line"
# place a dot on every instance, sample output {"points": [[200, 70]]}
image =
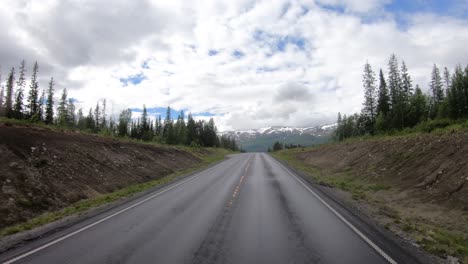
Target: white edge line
{"points": [[21, 256], [359, 233]]}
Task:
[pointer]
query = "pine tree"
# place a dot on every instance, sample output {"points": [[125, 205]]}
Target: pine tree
{"points": [[9, 94], [369, 111], [21, 83], [33, 92], [49, 112], [436, 88]]}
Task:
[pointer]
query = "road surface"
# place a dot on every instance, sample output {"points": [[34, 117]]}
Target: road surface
{"points": [[246, 209]]}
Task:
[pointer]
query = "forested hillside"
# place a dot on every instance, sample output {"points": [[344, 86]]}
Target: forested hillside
{"points": [[39, 107], [394, 103]]}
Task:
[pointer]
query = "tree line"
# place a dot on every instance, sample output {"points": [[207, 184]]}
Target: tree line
{"points": [[277, 146], [392, 103], [39, 107]]}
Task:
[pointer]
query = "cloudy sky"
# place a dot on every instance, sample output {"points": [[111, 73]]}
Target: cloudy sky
{"points": [[246, 63]]}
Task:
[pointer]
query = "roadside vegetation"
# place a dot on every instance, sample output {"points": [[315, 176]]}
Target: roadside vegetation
{"points": [[39, 108], [396, 106]]}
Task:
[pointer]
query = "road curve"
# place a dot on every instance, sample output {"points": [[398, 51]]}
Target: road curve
{"points": [[247, 209]]}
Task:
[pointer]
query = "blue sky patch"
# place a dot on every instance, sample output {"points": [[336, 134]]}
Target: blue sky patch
{"points": [[266, 69], [212, 52], [278, 42], [238, 54], [145, 65], [204, 114], [283, 42], [161, 111], [133, 79], [439, 7]]}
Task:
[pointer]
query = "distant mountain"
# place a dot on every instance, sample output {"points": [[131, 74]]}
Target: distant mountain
{"points": [[260, 139]]}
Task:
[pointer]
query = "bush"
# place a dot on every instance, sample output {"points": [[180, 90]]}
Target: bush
{"points": [[432, 125]]}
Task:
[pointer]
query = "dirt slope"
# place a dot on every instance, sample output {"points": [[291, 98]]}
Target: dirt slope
{"points": [[433, 168], [44, 170]]}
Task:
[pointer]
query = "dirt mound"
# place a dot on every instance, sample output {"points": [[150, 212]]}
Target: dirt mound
{"points": [[43, 170], [433, 168]]}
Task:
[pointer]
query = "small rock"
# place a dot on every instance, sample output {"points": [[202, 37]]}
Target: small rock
{"points": [[452, 260], [440, 172], [55, 157], [8, 180], [14, 165], [44, 148], [30, 194], [11, 199], [33, 149]]}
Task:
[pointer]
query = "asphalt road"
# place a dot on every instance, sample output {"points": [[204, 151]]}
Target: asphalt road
{"points": [[247, 209]]}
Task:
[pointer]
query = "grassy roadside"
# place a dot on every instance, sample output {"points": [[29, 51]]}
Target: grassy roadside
{"points": [[435, 237], [207, 155]]}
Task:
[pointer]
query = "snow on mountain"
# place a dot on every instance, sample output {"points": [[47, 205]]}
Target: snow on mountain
{"points": [[262, 138]]}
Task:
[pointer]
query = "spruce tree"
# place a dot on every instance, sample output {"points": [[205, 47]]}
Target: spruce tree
{"points": [[21, 83], [81, 120], [418, 110], [33, 96], [436, 88], [192, 137], [71, 113], [97, 118], [125, 119], [397, 102], [369, 110], [49, 112], [40, 107], [104, 116], [406, 82], [2, 99], [9, 94], [62, 110], [447, 81], [90, 120], [383, 106]]}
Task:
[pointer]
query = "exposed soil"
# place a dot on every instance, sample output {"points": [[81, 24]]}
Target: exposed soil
{"points": [[43, 170], [433, 168]]}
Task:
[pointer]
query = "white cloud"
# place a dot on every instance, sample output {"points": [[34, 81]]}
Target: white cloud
{"points": [[88, 46]]}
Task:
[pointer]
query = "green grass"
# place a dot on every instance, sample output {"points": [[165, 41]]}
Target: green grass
{"points": [[436, 240], [343, 180], [83, 205]]}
